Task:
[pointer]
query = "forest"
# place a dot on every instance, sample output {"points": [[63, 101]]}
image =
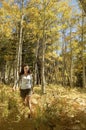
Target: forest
{"points": [[49, 36]]}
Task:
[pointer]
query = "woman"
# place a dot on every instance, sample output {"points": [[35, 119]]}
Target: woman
{"points": [[25, 83]]}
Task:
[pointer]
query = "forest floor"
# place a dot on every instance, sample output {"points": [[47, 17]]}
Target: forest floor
{"points": [[59, 109]]}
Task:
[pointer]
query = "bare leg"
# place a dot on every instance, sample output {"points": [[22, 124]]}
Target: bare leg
{"points": [[25, 101], [28, 98]]}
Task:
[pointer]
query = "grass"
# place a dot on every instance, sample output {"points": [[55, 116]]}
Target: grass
{"points": [[59, 109]]}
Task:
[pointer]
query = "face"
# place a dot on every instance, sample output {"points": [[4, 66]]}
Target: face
{"points": [[26, 68]]}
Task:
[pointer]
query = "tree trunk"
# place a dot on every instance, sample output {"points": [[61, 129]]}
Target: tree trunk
{"points": [[71, 60], [43, 67], [83, 49], [19, 48], [36, 66], [64, 49], [43, 55]]}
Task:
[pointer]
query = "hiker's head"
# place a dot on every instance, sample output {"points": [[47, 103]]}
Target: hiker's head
{"points": [[25, 69]]}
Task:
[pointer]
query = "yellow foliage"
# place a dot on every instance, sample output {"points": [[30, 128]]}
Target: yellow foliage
{"points": [[60, 58]]}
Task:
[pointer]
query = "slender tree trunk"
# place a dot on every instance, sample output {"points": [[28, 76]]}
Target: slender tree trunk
{"points": [[63, 67], [43, 55], [36, 66], [71, 60], [64, 59], [9, 71], [20, 44], [19, 48], [3, 72], [83, 48], [43, 67]]}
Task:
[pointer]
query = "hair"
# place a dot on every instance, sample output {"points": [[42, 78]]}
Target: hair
{"points": [[22, 70]]}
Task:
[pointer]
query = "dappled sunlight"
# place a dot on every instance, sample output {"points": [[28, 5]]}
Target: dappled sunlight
{"points": [[60, 108], [42, 65]]}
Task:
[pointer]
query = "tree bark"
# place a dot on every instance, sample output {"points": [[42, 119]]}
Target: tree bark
{"points": [[71, 59], [43, 54], [36, 66], [19, 48], [83, 49]]}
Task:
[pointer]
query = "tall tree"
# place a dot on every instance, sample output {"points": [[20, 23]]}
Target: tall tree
{"points": [[83, 50]]}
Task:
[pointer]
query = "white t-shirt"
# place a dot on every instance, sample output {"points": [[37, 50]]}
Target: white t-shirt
{"points": [[26, 82]]}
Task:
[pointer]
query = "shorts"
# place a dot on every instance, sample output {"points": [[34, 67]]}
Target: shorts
{"points": [[25, 92]]}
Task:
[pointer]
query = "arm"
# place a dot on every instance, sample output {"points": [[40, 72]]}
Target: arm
{"points": [[16, 83], [32, 81]]}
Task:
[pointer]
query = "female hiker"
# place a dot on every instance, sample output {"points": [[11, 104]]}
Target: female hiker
{"points": [[25, 84]]}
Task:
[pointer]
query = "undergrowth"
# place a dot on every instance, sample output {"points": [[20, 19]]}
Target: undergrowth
{"points": [[59, 109]]}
